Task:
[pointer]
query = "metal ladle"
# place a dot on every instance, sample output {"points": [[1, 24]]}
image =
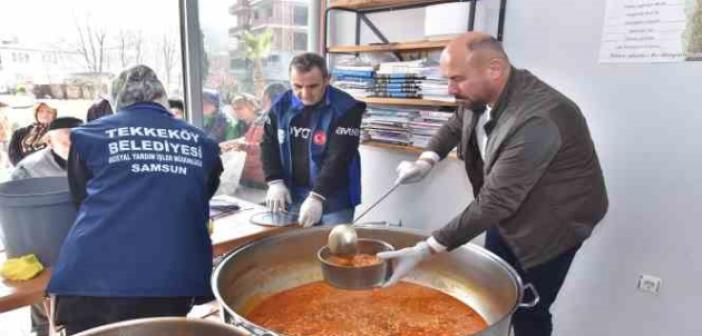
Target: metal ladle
{"points": [[343, 240]]}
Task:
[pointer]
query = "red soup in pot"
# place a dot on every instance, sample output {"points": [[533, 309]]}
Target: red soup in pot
{"points": [[357, 260], [318, 309]]}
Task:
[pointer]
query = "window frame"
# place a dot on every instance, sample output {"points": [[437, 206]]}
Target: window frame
{"points": [[191, 45]]}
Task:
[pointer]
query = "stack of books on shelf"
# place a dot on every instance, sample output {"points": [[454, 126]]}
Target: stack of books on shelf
{"points": [[436, 88], [419, 79], [398, 80], [396, 86], [422, 77], [388, 124], [403, 125], [425, 125], [356, 80]]}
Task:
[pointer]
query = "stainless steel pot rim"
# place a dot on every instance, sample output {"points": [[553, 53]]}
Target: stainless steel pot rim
{"points": [[328, 263], [149, 320], [246, 324]]}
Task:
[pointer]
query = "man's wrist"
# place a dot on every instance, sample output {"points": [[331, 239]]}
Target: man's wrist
{"points": [[317, 196], [434, 246], [274, 182], [430, 157]]}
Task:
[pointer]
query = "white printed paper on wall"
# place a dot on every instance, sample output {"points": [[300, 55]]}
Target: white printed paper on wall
{"points": [[652, 31]]}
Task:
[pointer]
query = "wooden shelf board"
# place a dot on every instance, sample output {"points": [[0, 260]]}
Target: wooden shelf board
{"points": [[400, 148], [393, 46], [406, 102]]}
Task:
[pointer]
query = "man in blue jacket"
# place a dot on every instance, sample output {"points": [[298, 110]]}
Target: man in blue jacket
{"points": [[310, 147], [142, 179]]}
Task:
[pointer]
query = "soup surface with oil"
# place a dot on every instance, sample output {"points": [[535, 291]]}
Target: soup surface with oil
{"points": [[357, 260], [318, 309]]}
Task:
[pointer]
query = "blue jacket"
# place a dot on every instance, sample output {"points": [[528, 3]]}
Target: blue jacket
{"points": [[141, 229], [335, 105]]}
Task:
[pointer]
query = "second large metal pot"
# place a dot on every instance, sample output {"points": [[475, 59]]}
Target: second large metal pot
{"points": [[164, 326], [265, 267]]}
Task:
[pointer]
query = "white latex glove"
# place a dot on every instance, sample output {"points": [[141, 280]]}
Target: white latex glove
{"points": [[277, 196], [413, 172], [311, 210], [406, 259]]}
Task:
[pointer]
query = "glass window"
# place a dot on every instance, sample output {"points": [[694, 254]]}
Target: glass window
{"points": [[269, 12], [70, 65], [300, 18], [237, 63], [247, 46], [300, 40]]}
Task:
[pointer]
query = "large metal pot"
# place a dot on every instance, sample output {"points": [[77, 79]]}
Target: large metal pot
{"points": [[250, 274], [164, 326]]}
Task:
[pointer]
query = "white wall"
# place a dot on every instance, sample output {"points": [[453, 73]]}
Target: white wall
{"points": [[646, 124], [647, 127], [427, 205]]}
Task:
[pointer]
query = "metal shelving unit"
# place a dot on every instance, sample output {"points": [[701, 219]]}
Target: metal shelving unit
{"points": [[362, 9]]}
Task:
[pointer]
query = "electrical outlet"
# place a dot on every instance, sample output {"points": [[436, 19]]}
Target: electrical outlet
{"points": [[650, 284]]}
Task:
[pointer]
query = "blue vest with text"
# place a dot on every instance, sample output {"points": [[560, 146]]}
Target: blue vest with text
{"points": [[142, 229], [335, 105]]}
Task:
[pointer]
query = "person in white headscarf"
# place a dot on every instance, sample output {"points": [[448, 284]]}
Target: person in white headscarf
{"points": [[30, 139], [50, 161]]}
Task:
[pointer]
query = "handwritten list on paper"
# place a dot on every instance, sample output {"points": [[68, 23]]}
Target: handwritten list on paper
{"points": [[651, 31]]}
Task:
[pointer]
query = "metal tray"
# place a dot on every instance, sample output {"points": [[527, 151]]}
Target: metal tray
{"points": [[279, 219]]}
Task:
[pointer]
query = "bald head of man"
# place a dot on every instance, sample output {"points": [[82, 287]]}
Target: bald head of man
{"points": [[477, 68]]}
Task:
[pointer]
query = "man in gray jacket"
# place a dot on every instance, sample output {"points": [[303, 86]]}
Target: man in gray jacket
{"points": [[538, 186], [50, 161]]}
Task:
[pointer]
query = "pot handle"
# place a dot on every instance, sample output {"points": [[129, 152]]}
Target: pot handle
{"points": [[252, 329], [381, 223], [218, 260], [533, 302], [378, 223]]}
